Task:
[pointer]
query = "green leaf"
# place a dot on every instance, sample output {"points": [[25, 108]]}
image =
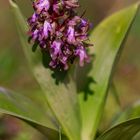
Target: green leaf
{"points": [[124, 131], [107, 38], [61, 94], [22, 107], [130, 112], [137, 136]]}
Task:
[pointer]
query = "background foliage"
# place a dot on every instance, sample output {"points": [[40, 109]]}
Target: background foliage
{"points": [[15, 75]]}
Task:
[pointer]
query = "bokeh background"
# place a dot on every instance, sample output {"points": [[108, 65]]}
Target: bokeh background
{"points": [[15, 74]]}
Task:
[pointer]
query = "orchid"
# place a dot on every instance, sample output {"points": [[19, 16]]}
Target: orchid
{"points": [[56, 22]]}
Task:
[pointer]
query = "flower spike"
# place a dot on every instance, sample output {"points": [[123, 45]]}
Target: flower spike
{"points": [[57, 28]]}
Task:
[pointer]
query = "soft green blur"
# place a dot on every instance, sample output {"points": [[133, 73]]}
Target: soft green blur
{"points": [[14, 72]]}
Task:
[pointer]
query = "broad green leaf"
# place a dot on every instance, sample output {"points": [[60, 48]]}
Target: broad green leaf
{"points": [[123, 131], [137, 136], [22, 107], [130, 112], [107, 38], [61, 97]]}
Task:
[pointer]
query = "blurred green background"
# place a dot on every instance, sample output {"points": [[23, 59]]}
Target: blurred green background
{"points": [[15, 74]]}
